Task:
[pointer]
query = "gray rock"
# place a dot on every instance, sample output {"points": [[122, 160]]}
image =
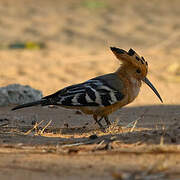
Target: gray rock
{"points": [[18, 94]]}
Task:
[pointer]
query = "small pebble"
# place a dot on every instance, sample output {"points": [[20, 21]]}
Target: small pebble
{"points": [[94, 136], [78, 112]]}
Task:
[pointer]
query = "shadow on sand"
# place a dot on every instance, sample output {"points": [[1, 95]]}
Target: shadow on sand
{"points": [[132, 125]]}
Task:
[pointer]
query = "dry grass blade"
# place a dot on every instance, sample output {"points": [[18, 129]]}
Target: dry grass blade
{"points": [[134, 125], [90, 141], [35, 127], [99, 144], [4, 124], [114, 127], [162, 137], [74, 144], [41, 132]]}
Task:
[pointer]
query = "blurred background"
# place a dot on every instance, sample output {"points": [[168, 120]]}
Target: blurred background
{"points": [[51, 44]]}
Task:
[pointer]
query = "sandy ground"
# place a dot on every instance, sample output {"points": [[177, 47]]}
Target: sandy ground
{"points": [[143, 142]]}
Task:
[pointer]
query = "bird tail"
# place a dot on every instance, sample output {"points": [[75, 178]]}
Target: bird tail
{"points": [[42, 102]]}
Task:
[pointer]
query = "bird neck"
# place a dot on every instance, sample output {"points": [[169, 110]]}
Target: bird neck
{"points": [[132, 84]]}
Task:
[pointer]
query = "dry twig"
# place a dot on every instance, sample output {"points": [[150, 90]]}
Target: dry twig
{"points": [[35, 127]]}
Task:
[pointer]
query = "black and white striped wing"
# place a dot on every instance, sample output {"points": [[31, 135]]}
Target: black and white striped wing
{"points": [[90, 93]]}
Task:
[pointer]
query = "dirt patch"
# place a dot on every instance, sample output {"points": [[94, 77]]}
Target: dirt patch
{"points": [[143, 142]]}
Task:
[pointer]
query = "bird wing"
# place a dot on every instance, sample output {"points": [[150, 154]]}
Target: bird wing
{"points": [[93, 92]]}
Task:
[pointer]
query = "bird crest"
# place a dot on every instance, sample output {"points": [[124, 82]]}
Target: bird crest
{"points": [[131, 58]]}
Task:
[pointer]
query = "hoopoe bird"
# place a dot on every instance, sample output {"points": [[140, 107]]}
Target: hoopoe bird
{"points": [[104, 94]]}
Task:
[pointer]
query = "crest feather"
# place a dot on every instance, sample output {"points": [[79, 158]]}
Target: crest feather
{"points": [[130, 57]]}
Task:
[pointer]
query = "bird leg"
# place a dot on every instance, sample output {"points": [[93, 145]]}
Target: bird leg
{"points": [[107, 120], [98, 121]]}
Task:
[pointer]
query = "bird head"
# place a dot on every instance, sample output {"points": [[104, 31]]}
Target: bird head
{"points": [[135, 66]]}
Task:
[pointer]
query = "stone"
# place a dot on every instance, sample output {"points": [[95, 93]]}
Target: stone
{"points": [[18, 94]]}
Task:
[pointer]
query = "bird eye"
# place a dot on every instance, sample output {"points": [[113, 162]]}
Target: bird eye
{"points": [[138, 71]]}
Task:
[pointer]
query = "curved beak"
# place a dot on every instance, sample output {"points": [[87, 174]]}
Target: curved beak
{"points": [[146, 80]]}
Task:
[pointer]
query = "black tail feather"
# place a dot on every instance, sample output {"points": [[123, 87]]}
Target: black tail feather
{"points": [[40, 102]]}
